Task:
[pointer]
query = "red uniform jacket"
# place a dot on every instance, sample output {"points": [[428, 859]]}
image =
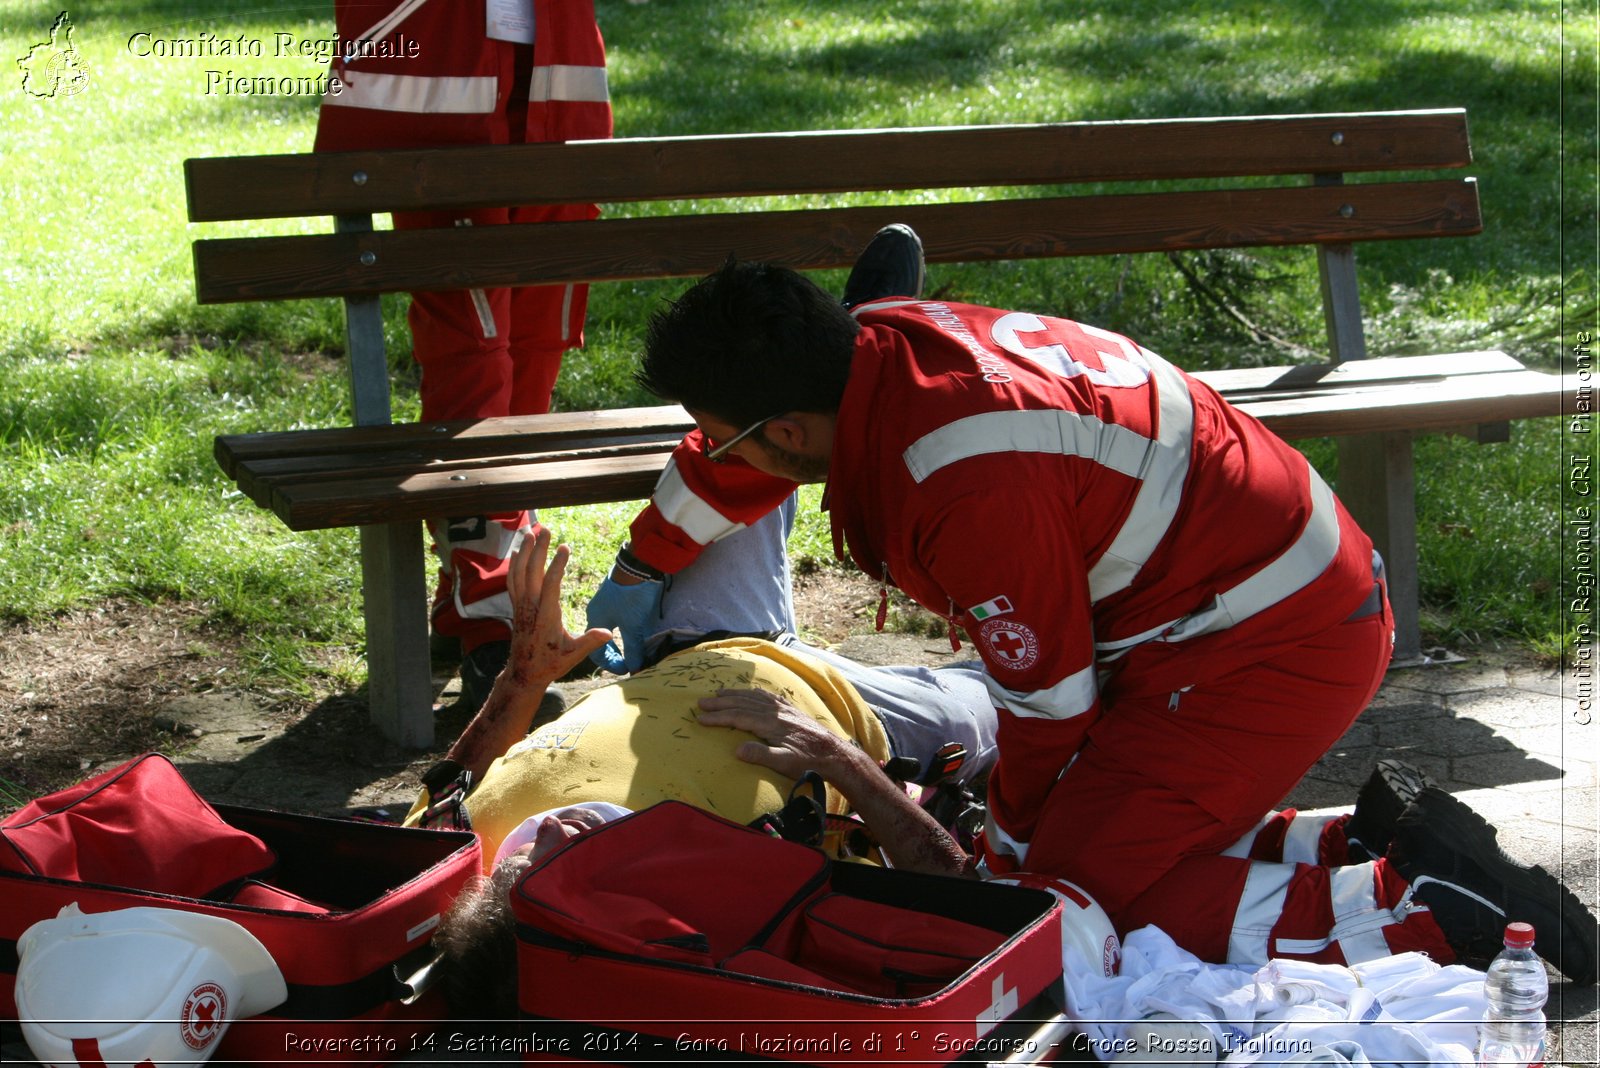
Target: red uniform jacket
{"points": [[1099, 522], [445, 82]]}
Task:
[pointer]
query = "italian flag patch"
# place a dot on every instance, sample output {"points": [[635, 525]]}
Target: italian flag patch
{"points": [[989, 609]]}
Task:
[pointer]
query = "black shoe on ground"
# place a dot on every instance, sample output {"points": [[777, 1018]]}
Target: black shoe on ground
{"points": [[482, 666], [1452, 859], [444, 649], [890, 266], [1393, 785], [551, 705], [479, 669]]}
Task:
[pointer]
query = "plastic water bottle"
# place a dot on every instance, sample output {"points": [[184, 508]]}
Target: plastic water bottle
{"points": [[1517, 987]]}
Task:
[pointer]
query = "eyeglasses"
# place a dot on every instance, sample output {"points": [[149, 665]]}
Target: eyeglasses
{"points": [[715, 453]]}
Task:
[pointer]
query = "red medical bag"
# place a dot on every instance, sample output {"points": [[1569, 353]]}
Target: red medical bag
{"points": [[672, 933], [345, 907]]}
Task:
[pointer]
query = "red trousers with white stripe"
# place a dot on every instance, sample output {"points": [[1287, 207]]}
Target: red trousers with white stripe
{"points": [[1160, 815], [485, 353]]}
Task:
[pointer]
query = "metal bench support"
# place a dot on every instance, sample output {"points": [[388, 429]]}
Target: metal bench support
{"points": [[1375, 470], [1377, 484], [393, 575]]}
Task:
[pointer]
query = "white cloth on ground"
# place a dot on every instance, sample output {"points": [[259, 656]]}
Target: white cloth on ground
{"points": [[1398, 1010]]}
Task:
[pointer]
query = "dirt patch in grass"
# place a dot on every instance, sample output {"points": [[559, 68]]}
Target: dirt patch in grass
{"points": [[89, 689], [91, 686]]}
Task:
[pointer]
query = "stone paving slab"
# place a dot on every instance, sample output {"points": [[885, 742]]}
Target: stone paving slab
{"points": [[1514, 745]]}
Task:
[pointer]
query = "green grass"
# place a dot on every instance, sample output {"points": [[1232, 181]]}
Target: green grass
{"points": [[113, 382]]}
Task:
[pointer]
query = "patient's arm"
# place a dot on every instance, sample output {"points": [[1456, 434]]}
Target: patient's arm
{"points": [[791, 743], [541, 652]]}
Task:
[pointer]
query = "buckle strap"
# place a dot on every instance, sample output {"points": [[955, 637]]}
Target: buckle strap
{"points": [[1371, 606], [448, 784], [1374, 602], [804, 818]]}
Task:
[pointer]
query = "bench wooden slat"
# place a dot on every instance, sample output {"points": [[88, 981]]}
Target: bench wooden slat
{"points": [[632, 169], [340, 503], [1443, 405], [1238, 382], [351, 488], [261, 479], [517, 433], [235, 269], [278, 453]]}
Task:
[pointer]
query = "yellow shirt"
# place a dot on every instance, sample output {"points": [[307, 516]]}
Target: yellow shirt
{"points": [[637, 741]]}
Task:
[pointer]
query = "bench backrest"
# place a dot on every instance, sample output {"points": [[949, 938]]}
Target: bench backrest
{"points": [[1156, 188], [358, 184]]}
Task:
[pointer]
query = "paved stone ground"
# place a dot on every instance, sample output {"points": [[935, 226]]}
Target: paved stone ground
{"points": [[1514, 742]]}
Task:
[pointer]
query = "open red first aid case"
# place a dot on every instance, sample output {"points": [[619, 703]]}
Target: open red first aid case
{"points": [[346, 908], [672, 933]]}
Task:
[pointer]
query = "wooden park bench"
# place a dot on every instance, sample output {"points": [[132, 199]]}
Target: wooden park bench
{"points": [[384, 478]]}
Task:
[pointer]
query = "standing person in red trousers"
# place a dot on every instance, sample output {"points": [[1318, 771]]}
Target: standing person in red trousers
{"points": [[436, 73]]}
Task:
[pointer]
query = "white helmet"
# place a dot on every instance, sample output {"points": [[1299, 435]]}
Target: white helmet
{"points": [[139, 984], [1086, 930]]}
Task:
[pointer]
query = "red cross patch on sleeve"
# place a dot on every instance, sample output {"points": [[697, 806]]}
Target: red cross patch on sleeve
{"points": [[1012, 644]]}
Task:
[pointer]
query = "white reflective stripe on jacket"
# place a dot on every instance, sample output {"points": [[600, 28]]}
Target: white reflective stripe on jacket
{"points": [[686, 510], [1294, 569], [447, 94], [1160, 464], [464, 95], [415, 93], [1071, 697], [565, 82], [391, 22]]}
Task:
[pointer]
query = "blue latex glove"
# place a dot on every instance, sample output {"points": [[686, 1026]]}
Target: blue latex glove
{"points": [[633, 610]]}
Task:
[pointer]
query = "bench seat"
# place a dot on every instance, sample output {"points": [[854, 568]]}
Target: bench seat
{"points": [[412, 471]]}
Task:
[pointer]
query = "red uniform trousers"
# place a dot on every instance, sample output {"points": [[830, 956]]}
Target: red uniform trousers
{"points": [[470, 373], [1160, 815]]}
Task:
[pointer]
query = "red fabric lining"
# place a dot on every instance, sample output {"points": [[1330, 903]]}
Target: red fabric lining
{"points": [[766, 965], [259, 895], [886, 950], [675, 884]]}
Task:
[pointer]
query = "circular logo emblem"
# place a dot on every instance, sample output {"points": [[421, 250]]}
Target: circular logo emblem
{"points": [[66, 73], [204, 1013], [1012, 643], [1110, 956]]}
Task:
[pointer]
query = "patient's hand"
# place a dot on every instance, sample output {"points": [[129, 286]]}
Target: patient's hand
{"points": [[790, 742], [542, 650]]}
